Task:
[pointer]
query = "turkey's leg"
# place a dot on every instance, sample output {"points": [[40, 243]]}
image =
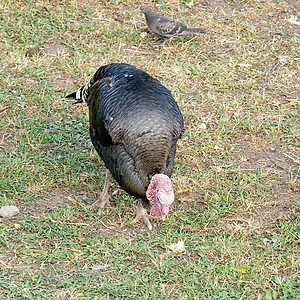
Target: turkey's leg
{"points": [[141, 214], [103, 202]]}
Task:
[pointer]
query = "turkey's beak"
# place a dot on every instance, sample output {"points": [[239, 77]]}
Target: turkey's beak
{"points": [[163, 217]]}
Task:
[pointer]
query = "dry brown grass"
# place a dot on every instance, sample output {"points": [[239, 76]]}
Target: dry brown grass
{"points": [[237, 168]]}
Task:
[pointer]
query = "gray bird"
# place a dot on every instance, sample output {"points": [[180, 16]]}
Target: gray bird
{"points": [[166, 27]]}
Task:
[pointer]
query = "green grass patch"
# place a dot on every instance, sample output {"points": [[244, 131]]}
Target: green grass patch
{"points": [[236, 174]]}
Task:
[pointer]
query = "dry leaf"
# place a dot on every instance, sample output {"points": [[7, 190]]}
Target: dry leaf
{"points": [[178, 247], [100, 267], [293, 20], [143, 35]]}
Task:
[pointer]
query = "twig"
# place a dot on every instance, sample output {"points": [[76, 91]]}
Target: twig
{"points": [[293, 157], [272, 69], [238, 220], [275, 65], [5, 109]]}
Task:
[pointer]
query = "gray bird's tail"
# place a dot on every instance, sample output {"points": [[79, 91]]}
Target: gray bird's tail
{"points": [[190, 30]]}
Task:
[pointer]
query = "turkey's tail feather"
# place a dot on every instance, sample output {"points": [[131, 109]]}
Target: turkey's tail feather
{"points": [[191, 30], [72, 96], [81, 95], [76, 96]]}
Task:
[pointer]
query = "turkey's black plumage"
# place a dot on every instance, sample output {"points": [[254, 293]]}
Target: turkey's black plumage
{"points": [[134, 124]]}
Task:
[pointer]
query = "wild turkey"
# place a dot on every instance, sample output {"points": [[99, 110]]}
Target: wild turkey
{"points": [[134, 126]]}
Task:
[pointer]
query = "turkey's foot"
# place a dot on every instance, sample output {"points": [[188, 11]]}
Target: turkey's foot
{"points": [[141, 214], [103, 202]]}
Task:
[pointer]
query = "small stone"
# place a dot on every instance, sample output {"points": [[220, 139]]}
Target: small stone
{"points": [[8, 211], [3, 34], [17, 226]]}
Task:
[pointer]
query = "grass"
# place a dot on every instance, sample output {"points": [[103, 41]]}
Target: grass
{"points": [[236, 173]]}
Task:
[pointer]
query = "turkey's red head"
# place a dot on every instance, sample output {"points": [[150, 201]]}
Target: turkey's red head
{"points": [[160, 195]]}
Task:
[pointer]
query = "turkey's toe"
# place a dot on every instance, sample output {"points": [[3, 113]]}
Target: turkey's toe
{"points": [[141, 214], [103, 202]]}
